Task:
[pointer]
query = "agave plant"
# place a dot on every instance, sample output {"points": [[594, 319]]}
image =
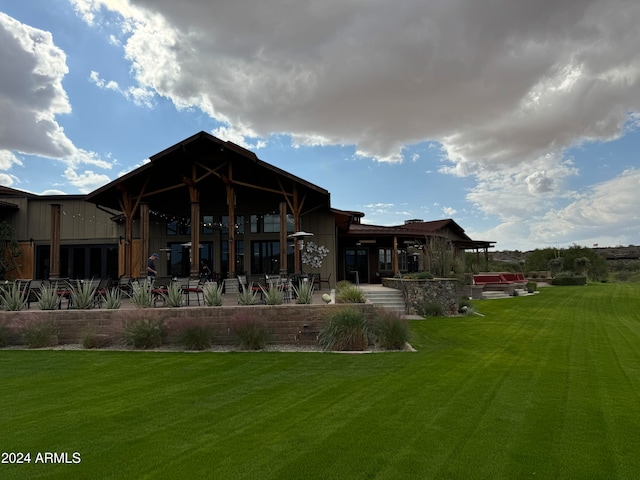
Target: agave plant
{"points": [[48, 298], [83, 294], [12, 298], [246, 296], [112, 299], [272, 295], [304, 293], [173, 297], [141, 294], [212, 294]]}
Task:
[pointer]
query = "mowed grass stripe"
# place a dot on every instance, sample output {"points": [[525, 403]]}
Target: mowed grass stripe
{"points": [[541, 386]]}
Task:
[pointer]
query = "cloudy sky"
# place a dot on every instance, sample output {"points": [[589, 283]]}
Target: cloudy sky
{"points": [[520, 120]]}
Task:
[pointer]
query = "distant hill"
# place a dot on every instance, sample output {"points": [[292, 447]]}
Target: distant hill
{"points": [[630, 252]]}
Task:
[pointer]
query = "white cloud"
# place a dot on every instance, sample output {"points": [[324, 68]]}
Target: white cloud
{"points": [[87, 181], [8, 160], [32, 68], [587, 219], [6, 180], [449, 211], [503, 84]]}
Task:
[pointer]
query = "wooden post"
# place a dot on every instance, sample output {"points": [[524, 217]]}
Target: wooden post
{"points": [[54, 251], [231, 203], [195, 239], [394, 255], [144, 238], [283, 238]]}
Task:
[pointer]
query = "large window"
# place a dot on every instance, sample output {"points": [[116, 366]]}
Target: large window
{"points": [[385, 259], [80, 261], [271, 223], [265, 258], [179, 227], [207, 225]]}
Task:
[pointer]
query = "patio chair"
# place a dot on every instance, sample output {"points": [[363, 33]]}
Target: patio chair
{"points": [[101, 292], [318, 280], [193, 286]]}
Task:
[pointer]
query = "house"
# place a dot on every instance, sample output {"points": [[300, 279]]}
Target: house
{"points": [[245, 211]]}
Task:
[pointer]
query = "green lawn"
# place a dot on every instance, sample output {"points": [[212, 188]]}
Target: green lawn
{"points": [[545, 387]]}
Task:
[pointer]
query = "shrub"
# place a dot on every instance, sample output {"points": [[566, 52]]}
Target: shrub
{"points": [[304, 293], [464, 304], [347, 330], [272, 295], [40, 334], [532, 286], [392, 331], [91, 339], [48, 298], [249, 332], [141, 295], [144, 333], [569, 280], [246, 295], [350, 294], [112, 299], [83, 294], [212, 294], [342, 284], [173, 297], [12, 298], [430, 309], [197, 337]]}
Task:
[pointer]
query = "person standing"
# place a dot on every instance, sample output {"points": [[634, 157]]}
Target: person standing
{"points": [[151, 266]]}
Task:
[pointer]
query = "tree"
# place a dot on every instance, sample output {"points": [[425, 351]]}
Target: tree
{"points": [[9, 249], [581, 265]]}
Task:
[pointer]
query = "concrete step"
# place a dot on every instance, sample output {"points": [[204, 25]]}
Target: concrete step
{"points": [[386, 297]]}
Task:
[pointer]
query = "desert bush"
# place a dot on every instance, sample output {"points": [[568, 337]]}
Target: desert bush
{"points": [[173, 297], [342, 284], [212, 294], [39, 334], [11, 298], [347, 329], [391, 330], [464, 304], [304, 293], [48, 298], [350, 294], [141, 295], [144, 333], [249, 332], [197, 337], [563, 280], [428, 308], [83, 294], [92, 339], [246, 295]]}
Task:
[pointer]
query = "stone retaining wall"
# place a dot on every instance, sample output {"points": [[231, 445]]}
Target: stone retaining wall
{"points": [[441, 291], [288, 324]]}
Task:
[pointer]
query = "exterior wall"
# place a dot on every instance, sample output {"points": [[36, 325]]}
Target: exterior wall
{"points": [[288, 324], [322, 225], [81, 222]]}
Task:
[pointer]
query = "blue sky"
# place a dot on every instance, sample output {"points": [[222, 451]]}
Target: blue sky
{"points": [[519, 121]]}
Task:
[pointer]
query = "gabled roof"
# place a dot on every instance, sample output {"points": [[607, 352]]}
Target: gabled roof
{"points": [[417, 229], [435, 226], [161, 182]]}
